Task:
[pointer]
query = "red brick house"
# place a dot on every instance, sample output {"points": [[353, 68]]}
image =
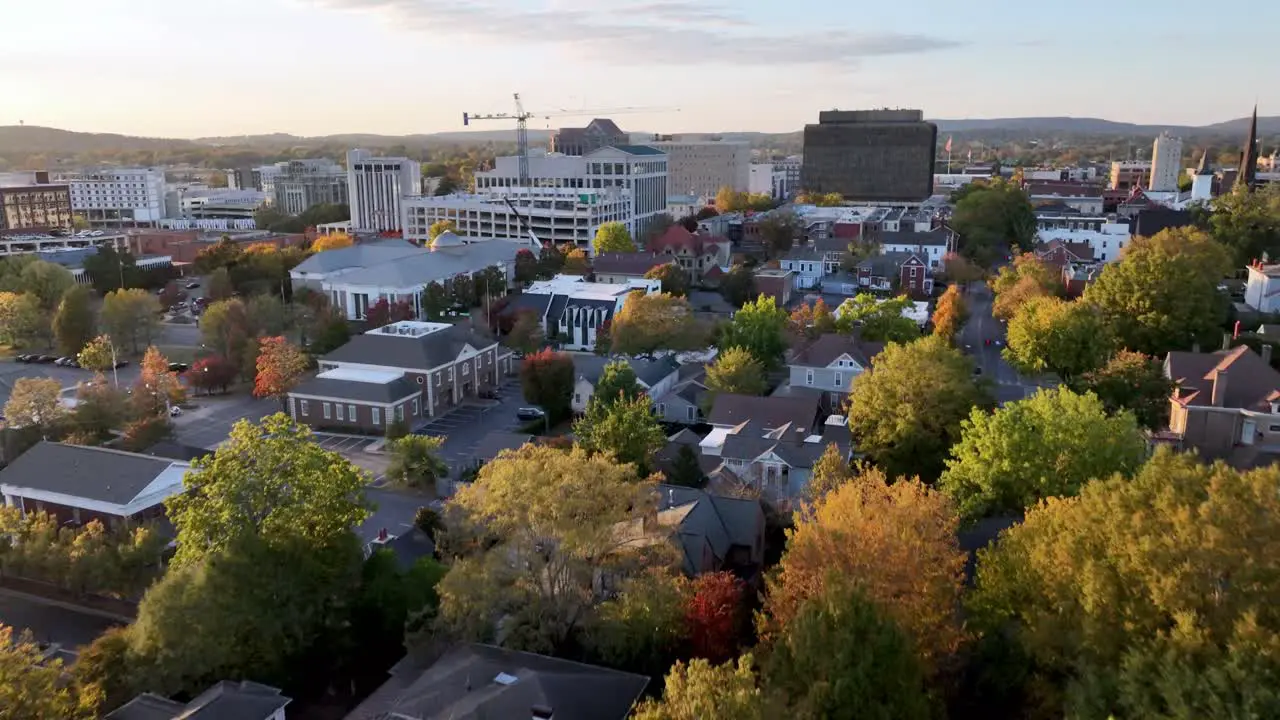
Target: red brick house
{"points": [[694, 252], [621, 267], [1060, 254], [896, 271], [77, 483], [776, 284]]}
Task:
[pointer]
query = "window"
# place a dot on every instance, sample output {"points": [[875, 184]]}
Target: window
{"points": [[808, 377], [577, 397], [338, 410], [417, 407], [325, 406], [839, 379], [400, 412], [688, 411], [466, 369], [377, 416], [351, 413]]}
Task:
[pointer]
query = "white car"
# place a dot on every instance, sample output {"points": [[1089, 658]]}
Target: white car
{"points": [[174, 411]]}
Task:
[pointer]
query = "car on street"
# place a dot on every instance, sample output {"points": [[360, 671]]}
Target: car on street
{"points": [[530, 413], [192, 285], [25, 358], [174, 411], [120, 363], [178, 367]]}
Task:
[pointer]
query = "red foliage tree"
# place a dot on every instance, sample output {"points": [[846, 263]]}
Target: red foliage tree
{"points": [[402, 310], [501, 321], [526, 267], [547, 380], [280, 367], [212, 373], [715, 616], [377, 314]]}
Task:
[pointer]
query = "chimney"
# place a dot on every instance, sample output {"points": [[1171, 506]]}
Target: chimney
{"points": [[542, 712], [1266, 353], [1219, 387]]}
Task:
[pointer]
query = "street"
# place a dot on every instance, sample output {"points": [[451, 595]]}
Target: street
{"points": [[1006, 383]]}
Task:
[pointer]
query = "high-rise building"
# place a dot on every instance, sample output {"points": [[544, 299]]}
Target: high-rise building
{"points": [[117, 197], [640, 171], [598, 133], [264, 178], [870, 155], [1129, 174], [702, 167], [555, 215], [375, 188], [33, 203], [304, 183], [1166, 163]]}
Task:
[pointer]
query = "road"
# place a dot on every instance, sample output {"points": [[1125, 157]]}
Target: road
{"points": [[1007, 384]]}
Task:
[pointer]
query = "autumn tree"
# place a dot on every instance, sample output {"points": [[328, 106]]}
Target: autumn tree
{"points": [[700, 691], [649, 323], [831, 199], [1065, 338], [643, 628], [1148, 596], [281, 365], [225, 328], [97, 354], [576, 263], [547, 379], [1134, 382], [613, 237], [1163, 293], [31, 686], [625, 429], [812, 321], [526, 266], [551, 519], [959, 270], [830, 472], [47, 282], [131, 317], [896, 543], [674, 279], [758, 328], [526, 332], [21, 319], [1026, 277], [74, 323], [332, 241], [736, 371], [214, 372], [100, 408], [1048, 445], [778, 231], [157, 387], [716, 616], [950, 314], [377, 314], [441, 226], [906, 411], [876, 319], [416, 461], [218, 287], [738, 286], [36, 402]]}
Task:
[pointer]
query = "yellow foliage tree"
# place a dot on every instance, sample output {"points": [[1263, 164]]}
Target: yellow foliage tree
{"points": [[332, 241], [950, 314]]}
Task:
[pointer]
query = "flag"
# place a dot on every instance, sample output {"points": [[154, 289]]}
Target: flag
{"points": [[948, 147]]}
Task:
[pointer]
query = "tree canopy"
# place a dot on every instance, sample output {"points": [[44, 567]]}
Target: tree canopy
{"points": [[1027, 277], [759, 329], [674, 279], [991, 217], [416, 462], [950, 314], [131, 317], [332, 241], [649, 323], [1068, 339], [547, 379], [613, 237], [1134, 382], [625, 429], [30, 687], [738, 372], [1248, 223], [738, 286], [699, 690], [876, 319], [812, 321], [74, 324], [905, 412], [1151, 596], [1048, 445], [617, 380]]}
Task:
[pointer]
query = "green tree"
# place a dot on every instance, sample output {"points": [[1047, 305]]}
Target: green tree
{"points": [[686, 469], [674, 279], [218, 286], [950, 314], [877, 320], [131, 317], [991, 217], [225, 328], [576, 263], [643, 628], [73, 324], [526, 266], [435, 300], [1048, 445], [441, 226], [36, 402], [312, 493], [906, 411], [736, 371], [31, 687], [1248, 223], [547, 379], [462, 291], [1149, 596], [415, 461], [839, 658], [613, 237], [830, 472], [626, 429], [526, 332], [267, 315], [48, 282], [654, 322], [701, 691], [617, 381], [1134, 382], [758, 328], [22, 321], [738, 286], [1162, 295], [778, 231], [100, 408], [1065, 338]]}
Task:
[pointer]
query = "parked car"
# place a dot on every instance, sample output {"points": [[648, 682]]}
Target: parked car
{"points": [[174, 411], [62, 362], [179, 367], [45, 359], [121, 363], [192, 285], [25, 358], [530, 413]]}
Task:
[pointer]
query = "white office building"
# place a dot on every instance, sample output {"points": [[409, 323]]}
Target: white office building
{"points": [[302, 184], [264, 178], [555, 215], [702, 167], [117, 197], [1105, 235], [376, 188], [767, 179], [1166, 163], [639, 171]]}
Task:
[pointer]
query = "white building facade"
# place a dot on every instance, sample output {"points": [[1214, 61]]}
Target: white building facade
{"points": [[767, 179], [555, 215], [1105, 235], [376, 188], [702, 167], [117, 197], [1166, 163]]}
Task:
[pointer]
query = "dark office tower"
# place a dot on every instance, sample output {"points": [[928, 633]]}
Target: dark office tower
{"points": [[870, 155]]}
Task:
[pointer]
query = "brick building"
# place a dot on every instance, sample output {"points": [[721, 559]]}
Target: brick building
{"points": [[870, 155], [40, 206]]}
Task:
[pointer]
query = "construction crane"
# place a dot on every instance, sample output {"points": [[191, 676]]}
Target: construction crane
{"points": [[521, 116], [524, 224]]}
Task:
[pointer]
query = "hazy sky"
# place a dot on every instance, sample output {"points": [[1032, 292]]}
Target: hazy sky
{"points": [[182, 68]]}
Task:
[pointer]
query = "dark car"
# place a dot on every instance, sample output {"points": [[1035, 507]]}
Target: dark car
{"points": [[530, 413], [43, 359], [25, 358], [121, 363], [179, 367]]}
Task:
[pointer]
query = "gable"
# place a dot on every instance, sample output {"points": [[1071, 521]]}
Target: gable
{"points": [[845, 362]]}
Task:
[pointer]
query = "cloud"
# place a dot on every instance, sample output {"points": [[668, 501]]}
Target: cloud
{"points": [[656, 32]]}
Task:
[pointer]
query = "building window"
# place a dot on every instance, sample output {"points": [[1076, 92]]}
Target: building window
{"points": [[351, 413], [338, 411], [400, 413], [417, 407], [808, 377], [688, 411], [839, 379], [325, 408], [377, 416]]}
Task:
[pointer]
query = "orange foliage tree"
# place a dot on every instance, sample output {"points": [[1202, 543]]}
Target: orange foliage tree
{"points": [[332, 241], [280, 367], [157, 386]]}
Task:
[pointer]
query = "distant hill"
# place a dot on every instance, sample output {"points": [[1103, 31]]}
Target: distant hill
{"points": [[33, 139], [1098, 126]]}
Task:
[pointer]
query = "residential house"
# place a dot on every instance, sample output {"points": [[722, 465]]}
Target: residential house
{"points": [[1225, 405], [1149, 221], [807, 265], [896, 271], [830, 363], [776, 284], [79, 483], [479, 682], [239, 700], [778, 462], [656, 377], [931, 246], [572, 310], [696, 253], [731, 412], [622, 268], [408, 370], [713, 532], [1061, 253], [357, 277], [1262, 290], [685, 401]]}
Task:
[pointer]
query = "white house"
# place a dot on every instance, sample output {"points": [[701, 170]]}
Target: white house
{"points": [[1106, 235], [655, 377], [1262, 293], [573, 310]]}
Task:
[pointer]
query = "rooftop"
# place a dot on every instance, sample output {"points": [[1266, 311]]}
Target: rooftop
{"points": [[576, 286], [380, 377], [91, 474]]}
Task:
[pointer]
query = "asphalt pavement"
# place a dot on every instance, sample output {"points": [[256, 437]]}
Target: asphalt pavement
{"points": [[1006, 383]]}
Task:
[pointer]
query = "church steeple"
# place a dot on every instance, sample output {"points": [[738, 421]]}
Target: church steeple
{"points": [[1249, 156], [1203, 168]]}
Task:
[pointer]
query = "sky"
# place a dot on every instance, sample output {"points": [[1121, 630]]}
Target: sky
{"points": [[179, 68]]}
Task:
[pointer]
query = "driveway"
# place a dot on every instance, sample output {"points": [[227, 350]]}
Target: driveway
{"points": [[209, 423], [464, 428]]}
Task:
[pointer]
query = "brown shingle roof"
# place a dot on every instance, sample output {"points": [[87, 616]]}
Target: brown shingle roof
{"points": [[1250, 380], [636, 263], [823, 351]]}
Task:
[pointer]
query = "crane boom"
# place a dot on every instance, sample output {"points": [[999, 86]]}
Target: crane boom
{"points": [[524, 224]]}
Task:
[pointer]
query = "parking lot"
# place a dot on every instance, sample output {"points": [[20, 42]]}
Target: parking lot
{"points": [[11, 371], [465, 427], [209, 422]]}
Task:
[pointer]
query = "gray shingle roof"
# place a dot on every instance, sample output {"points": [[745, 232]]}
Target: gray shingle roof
{"points": [[362, 255], [224, 701], [767, 412], [824, 351], [425, 267], [367, 392], [93, 473], [633, 263], [721, 522], [914, 238], [886, 264], [649, 372], [409, 353]]}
